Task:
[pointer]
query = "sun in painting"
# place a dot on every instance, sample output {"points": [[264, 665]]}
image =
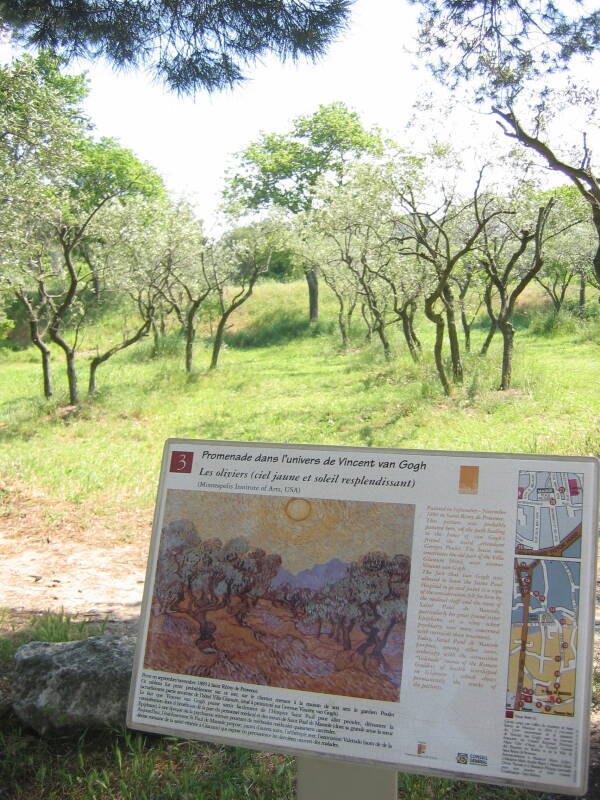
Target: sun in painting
{"points": [[298, 509]]}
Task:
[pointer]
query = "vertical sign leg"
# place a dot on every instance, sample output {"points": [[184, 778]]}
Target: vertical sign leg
{"points": [[333, 780]]}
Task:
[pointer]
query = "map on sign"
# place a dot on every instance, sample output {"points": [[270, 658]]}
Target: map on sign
{"points": [[543, 647], [543, 655], [549, 514]]}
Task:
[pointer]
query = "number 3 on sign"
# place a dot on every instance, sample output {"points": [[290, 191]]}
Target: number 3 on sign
{"points": [[181, 461]]}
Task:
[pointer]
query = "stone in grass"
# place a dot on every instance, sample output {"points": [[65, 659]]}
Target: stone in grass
{"points": [[73, 686]]}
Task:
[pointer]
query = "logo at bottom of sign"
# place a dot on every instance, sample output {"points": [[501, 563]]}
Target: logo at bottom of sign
{"points": [[476, 759]]}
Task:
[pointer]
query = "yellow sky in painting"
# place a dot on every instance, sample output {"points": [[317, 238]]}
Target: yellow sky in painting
{"points": [[303, 531]]}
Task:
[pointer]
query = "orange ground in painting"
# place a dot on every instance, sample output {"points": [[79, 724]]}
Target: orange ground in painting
{"points": [[269, 649]]}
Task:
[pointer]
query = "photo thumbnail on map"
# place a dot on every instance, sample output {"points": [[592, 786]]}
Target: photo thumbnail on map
{"points": [[546, 589], [299, 593]]}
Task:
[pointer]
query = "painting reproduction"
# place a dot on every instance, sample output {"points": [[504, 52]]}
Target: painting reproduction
{"points": [[297, 593]]}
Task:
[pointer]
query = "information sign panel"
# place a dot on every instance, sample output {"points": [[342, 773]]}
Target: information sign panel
{"points": [[425, 611]]}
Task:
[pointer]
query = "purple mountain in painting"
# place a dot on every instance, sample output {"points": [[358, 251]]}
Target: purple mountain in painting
{"points": [[314, 578]]}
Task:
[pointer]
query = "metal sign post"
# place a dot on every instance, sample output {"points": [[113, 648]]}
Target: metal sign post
{"points": [[335, 780]]}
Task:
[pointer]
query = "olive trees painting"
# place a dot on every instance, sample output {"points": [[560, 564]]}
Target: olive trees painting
{"points": [[252, 589]]}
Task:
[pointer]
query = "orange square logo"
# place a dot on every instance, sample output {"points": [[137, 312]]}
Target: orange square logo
{"points": [[468, 481]]}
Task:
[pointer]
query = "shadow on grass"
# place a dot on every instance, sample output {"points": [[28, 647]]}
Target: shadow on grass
{"points": [[276, 327], [124, 765]]}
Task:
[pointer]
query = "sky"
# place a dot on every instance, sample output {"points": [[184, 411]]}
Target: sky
{"points": [[326, 529], [192, 141]]}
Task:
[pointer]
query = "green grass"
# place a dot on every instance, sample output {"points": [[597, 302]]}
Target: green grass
{"points": [[300, 390], [122, 765], [47, 626], [277, 326]]}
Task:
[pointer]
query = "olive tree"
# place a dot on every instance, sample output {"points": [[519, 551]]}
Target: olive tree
{"points": [[197, 576], [166, 243], [371, 597], [357, 225], [513, 55], [236, 262], [441, 232], [41, 126], [283, 171], [105, 171]]}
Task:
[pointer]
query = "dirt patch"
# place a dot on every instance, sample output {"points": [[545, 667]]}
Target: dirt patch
{"points": [[59, 556]]}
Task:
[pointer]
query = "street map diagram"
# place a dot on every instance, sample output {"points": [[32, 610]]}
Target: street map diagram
{"points": [[549, 514], [543, 648]]}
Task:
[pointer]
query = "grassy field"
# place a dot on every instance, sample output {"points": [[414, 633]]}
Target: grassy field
{"points": [[293, 390], [278, 380]]}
